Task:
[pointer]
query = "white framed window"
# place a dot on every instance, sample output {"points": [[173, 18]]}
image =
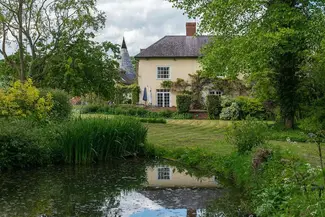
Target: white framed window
{"points": [[163, 72], [163, 97], [216, 92], [164, 173]]}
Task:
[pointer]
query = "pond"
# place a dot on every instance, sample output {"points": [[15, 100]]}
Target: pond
{"points": [[133, 188]]}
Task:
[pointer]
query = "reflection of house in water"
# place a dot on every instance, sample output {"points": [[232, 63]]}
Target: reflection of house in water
{"points": [[169, 193], [166, 176]]}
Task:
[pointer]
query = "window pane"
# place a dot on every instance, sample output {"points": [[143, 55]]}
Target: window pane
{"points": [[163, 173], [163, 72]]}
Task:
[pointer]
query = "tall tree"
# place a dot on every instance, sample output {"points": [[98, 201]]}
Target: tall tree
{"points": [[272, 39], [40, 26], [80, 67]]}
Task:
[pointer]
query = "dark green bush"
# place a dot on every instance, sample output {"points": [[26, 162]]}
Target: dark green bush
{"points": [[177, 115], [250, 107], [153, 120], [183, 103], [61, 104], [24, 143], [86, 109], [213, 106], [136, 95], [93, 140], [247, 134], [166, 113], [133, 111]]}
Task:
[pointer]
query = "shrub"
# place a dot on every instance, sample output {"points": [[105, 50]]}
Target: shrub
{"points": [[93, 140], [166, 113], [250, 107], [230, 113], [226, 101], [23, 99], [153, 120], [92, 108], [177, 115], [135, 94], [247, 134], [61, 104], [183, 103], [24, 143], [213, 106]]}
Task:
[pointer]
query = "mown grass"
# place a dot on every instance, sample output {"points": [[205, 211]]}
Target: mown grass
{"points": [[210, 135]]}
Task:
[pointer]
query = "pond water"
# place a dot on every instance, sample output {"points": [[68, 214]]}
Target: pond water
{"points": [[134, 188]]}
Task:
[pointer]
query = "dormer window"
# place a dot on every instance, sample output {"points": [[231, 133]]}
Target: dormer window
{"points": [[163, 72]]}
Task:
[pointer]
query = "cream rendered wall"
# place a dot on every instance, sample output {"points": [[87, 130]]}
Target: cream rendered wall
{"points": [[179, 68], [178, 179]]}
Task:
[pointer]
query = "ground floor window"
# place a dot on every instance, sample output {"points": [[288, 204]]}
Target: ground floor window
{"points": [[163, 173], [163, 98], [215, 92]]}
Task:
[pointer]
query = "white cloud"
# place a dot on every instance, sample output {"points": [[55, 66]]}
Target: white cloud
{"points": [[141, 22]]}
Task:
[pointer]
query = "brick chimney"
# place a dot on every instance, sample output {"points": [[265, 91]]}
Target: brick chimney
{"points": [[190, 28]]}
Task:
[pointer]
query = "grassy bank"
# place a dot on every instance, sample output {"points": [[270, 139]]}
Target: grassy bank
{"points": [[274, 182], [26, 143]]}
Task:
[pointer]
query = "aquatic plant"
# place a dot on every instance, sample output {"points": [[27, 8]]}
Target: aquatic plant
{"points": [[93, 140]]}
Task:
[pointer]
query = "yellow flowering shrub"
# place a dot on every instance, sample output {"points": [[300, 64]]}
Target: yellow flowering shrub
{"points": [[23, 99]]}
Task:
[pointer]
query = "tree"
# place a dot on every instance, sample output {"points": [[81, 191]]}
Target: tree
{"points": [[274, 39], [41, 26], [80, 67]]}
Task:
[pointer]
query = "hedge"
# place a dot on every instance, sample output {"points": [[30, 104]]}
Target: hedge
{"points": [[183, 103], [213, 106]]}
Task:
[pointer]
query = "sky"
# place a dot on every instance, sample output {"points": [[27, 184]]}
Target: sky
{"points": [[141, 22]]}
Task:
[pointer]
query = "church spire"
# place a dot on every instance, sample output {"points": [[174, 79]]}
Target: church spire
{"points": [[124, 44]]}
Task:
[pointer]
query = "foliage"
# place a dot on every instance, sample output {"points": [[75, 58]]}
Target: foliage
{"points": [[226, 101], [135, 94], [153, 120], [230, 113], [43, 27], [229, 86], [247, 134], [123, 91], [183, 103], [81, 67], [62, 107], [281, 185], [24, 143], [197, 83], [213, 106], [250, 106], [93, 140], [181, 116], [276, 40], [166, 84], [23, 99]]}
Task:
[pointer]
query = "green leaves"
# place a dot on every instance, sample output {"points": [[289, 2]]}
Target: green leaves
{"points": [[265, 40]]}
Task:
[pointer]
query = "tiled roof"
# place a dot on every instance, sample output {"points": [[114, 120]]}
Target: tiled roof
{"points": [[126, 67], [175, 46]]}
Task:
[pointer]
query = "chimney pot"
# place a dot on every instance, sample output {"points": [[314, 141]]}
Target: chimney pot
{"points": [[190, 28]]}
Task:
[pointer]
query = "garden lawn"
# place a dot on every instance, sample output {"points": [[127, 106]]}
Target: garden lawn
{"points": [[191, 133], [210, 134]]}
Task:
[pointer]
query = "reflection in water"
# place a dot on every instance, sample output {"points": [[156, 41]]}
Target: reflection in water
{"points": [[129, 188]]}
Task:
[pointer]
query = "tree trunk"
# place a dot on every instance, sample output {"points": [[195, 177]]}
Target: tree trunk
{"points": [[289, 123], [20, 41]]}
